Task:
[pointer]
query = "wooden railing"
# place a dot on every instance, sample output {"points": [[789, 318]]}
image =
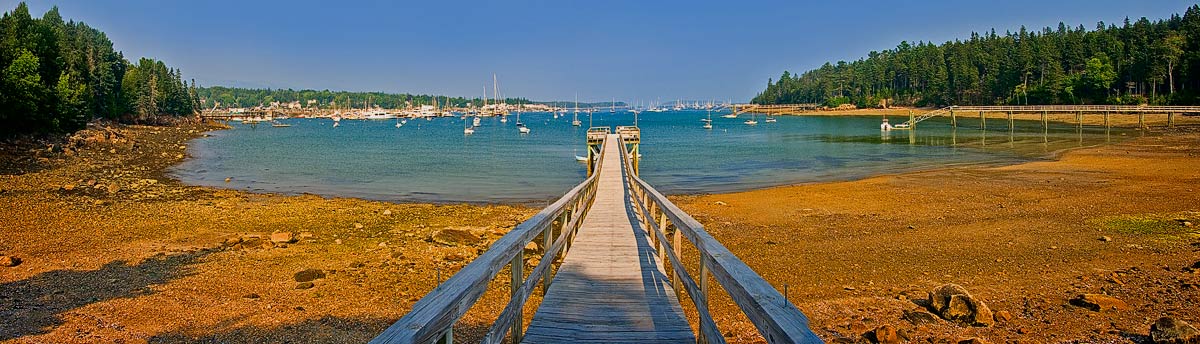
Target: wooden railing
{"points": [[1078, 108], [433, 317], [777, 320]]}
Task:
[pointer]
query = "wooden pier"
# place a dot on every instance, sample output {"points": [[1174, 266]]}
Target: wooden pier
{"points": [[775, 109], [1170, 112], [622, 275]]}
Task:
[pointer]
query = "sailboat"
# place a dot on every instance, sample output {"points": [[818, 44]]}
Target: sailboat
{"points": [[770, 119], [576, 121], [708, 121], [468, 131], [751, 121], [475, 122], [521, 126]]}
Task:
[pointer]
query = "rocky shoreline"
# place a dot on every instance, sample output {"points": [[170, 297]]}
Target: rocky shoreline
{"points": [[99, 245]]}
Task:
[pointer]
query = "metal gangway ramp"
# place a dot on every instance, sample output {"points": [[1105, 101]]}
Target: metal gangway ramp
{"points": [[621, 275]]}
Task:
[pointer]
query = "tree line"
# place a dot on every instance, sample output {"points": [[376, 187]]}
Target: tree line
{"points": [[234, 97], [57, 75], [1139, 62]]}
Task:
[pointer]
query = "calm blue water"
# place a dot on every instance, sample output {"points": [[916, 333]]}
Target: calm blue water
{"points": [[432, 161]]}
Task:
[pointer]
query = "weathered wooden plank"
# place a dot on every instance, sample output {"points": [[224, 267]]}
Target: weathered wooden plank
{"points": [[610, 287]]}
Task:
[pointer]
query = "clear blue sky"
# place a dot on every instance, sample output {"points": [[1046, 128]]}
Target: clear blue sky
{"points": [[548, 50]]}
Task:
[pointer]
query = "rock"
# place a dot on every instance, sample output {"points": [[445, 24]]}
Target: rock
{"points": [[358, 226], [1099, 302], [455, 257], [972, 340], [308, 275], [228, 179], [1105, 238], [1187, 223], [953, 302], [859, 328], [282, 237], [68, 187], [338, 241], [531, 248], [113, 188], [250, 296], [387, 212], [9, 261], [885, 334], [1169, 330], [306, 235], [1003, 316], [720, 203], [919, 317], [454, 237], [304, 285], [232, 241]]}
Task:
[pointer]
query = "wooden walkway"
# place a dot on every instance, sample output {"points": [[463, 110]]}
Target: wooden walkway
{"points": [[610, 287]]}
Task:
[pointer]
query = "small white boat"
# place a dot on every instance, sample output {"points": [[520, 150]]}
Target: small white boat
{"points": [[581, 158], [475, 123], [337, 124], [279, 124], [503, 119], [729, 116], [468, 131], [523, 129], [399, 125], [707, 125], [771, 119], [751, 122]]}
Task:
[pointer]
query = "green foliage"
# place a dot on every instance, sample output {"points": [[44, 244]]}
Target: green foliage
{"points": [[229, 97], [58, 75], [1139, 60]]}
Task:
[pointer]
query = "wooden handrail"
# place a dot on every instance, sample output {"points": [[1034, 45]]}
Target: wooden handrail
{"points": [[776, 319], [433, 317]]}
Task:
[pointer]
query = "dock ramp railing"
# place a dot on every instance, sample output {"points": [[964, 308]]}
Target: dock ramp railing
{"points": [[776, 319], [433, 317]]}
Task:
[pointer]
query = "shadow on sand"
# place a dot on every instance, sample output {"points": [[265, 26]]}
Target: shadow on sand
{"points": [[35, 305]]}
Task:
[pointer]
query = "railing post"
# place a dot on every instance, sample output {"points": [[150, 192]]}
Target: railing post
{"points": [[548, 239], [448, 337], [675, 241], [703, 296], [518, 264]]}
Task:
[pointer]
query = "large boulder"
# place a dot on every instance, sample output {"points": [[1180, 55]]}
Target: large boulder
{"points": [[1169, 330], [1099, 302], [308, 275], [952, 302], [454, 237]]}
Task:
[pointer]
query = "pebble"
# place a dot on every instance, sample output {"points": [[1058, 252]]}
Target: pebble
{"points": [[68, 187], [251, 296], [387, 212], [304, 285], [720, 203], [228, 179], [1105, 238], [358, 226], [9, 261]]}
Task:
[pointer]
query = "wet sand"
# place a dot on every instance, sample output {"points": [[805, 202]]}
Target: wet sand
{"points": [[1024, 238]]}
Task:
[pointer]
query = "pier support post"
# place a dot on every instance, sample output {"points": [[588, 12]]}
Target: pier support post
{"points": [[912, 124], [1079, 119], [1142, 120], [1170, 120], [953, 119], [1106, 124], [1044, 123], [982, 121], [517, 264], [1010, 121], [703, 294]]}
